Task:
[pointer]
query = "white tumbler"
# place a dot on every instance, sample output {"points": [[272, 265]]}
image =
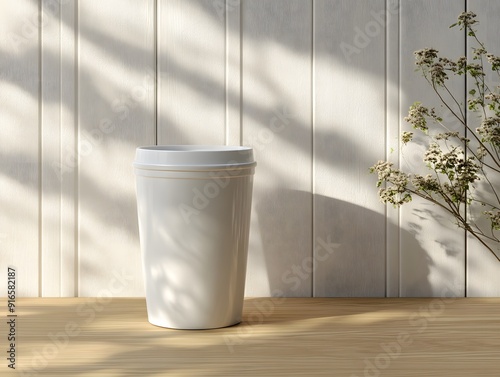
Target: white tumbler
{"points": [[194, 205]]}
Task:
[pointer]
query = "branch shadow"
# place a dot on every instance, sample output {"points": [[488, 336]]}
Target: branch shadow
{"points": [[358, 229]]}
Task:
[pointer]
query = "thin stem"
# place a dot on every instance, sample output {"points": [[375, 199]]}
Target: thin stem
{"points": [[492, 187], [483, 242], [482, 235], [446, 104], [462, 222], [483, 203], [462, 120], [455, 100]]}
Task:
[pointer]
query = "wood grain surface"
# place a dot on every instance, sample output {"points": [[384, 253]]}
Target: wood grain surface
{"points": [[278, 337]]}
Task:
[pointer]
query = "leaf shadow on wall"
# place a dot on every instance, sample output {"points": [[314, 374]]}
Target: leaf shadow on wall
{"points": [[280, 230], [346, 255]]}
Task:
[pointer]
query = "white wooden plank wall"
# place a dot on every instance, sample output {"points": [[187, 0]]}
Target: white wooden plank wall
{"points": [[58, 157], [191, 71], [431, 248], [349, 134], [115, 114], [276, 92], [20, 183], [318, 88], [483, 270], [392, 131]]}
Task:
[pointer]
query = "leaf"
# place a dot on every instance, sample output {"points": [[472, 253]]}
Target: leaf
{"points": [[472, 92]]}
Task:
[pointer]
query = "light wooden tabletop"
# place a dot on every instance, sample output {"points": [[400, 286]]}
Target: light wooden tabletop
{"points": [[278, 337]]}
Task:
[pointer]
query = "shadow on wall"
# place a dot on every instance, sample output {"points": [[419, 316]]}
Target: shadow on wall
{"points": [[346, 249], [356, 266]]}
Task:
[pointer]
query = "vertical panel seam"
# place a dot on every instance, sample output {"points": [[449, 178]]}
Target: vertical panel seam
{"points": [[77, 138], [60, 149], [400, 6], [466, 54], [386, 132], [392, 87], [399, 133], [226, 68], [313, 167], [40, 152], [156, 39], [241, 72]]}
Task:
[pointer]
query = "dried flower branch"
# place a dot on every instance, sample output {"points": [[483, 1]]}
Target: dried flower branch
{"points": [[456, 163]]}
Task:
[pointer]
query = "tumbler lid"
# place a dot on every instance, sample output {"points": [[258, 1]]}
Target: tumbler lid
{"points": [[192, 157]]}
